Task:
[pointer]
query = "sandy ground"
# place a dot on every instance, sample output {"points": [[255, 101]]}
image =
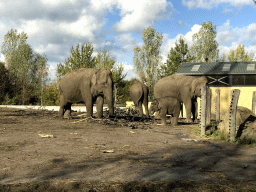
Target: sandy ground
{"points": [[38, 146]]}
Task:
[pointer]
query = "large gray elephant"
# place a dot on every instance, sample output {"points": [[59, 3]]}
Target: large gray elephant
{"points": [[86, 85], [139, 95], [166, 105], [185, 88]]}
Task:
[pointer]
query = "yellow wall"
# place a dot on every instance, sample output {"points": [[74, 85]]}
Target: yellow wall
{"points": [[245, 97]]}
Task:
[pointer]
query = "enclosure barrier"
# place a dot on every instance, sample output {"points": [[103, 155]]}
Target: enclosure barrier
{"points": [[232, 112], [217, 104], [253, 101], [208, 105], [203, 110]]}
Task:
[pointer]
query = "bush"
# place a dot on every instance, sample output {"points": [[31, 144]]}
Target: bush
{"points": [[51, 95]]}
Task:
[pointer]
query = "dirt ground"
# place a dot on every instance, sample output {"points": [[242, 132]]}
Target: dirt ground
{"points": [[37, 147]]}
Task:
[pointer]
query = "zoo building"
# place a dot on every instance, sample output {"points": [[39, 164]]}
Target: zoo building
{"points": [[225, 76]]}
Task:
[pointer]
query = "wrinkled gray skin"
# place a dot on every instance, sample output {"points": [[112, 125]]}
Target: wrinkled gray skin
{"points": [[166, 105], [185, 88], [86, 85], [139, 95]]}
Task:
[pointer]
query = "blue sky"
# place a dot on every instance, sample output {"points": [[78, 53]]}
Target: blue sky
{"points": [[53, 26]]}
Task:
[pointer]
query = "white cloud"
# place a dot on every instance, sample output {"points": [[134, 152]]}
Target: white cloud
{"points": [[2, 58], [128, 68], [226, 34], [145, 13], [126, 41], [208, 4]]}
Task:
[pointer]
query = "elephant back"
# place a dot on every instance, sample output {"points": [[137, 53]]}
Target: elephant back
{"points": [[169, 86], [136, 91]]}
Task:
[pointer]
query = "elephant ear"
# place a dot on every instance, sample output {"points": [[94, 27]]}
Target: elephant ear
{"points": [[100, 77], [197, 82], [94, 79]]}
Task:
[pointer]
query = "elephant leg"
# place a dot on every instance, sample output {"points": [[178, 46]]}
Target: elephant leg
{"points": [[62, 104], [174, 121], [163, 113], [140, 109], [89, 107], [99, 106], [188, 106], [195, 111], [145, 103], [67, 114]]}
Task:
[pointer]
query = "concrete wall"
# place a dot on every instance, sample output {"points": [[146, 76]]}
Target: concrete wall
{"points": [[51, 108]]}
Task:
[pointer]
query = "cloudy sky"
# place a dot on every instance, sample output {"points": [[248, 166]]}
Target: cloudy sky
{"points": [[53, 26]]}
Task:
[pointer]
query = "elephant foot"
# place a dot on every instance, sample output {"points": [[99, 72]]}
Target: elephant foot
{"points": [[188, 121], [174, 121], [67, 114], [196, 121]]}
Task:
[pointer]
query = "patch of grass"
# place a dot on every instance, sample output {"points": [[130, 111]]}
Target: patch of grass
{"points": [[246, 141], [212, 132]]}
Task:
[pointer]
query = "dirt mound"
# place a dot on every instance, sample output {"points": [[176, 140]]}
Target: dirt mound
{"points": [[245, 123]]}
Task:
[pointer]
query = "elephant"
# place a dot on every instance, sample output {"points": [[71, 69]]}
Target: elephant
{"points": [[166, 105], [139, 95], [86, 85], [185, 88]]}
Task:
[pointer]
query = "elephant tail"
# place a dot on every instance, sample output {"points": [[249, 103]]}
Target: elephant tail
{"points": [[60, 90]]}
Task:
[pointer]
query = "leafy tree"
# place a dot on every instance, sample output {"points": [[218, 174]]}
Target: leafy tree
{"points": [[28, 69], [104, 59], [177, 55], [147, 59], [51, 95], [119, 82], [239, 54], [205, 47], [80, 57], [5, 84]]}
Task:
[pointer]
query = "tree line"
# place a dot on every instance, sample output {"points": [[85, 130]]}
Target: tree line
{"points": [[23, 76]]}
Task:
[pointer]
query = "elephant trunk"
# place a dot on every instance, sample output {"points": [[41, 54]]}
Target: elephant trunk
{"points": [[109, 98], [151, 110]]}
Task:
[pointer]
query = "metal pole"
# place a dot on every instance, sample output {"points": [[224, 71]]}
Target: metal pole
{"points": [[203, 110], [232, 112], [253, 101], [217, 106], [208, 105]]}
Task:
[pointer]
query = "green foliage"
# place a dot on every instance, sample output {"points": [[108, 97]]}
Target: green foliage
{"points": [[51, 95], [105, 60], [205, 47], [28, 70], [9, 101], [5, 83], [119, 83], [177, 55], [80, 57], [147, 59], [239, 54]]}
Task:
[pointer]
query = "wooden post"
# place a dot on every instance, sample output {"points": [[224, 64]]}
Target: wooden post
{"points": [[253, 101], [232, 112], [203, 110], [208, 105], [217, 106]]}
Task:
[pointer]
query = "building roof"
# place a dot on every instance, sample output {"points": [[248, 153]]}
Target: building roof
{"points": [[217, 68]]}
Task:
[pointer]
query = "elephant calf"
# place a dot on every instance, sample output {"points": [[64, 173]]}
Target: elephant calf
{"points": [[166, 105]]}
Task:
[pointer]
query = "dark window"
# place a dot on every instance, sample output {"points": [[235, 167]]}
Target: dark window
{"points": [[237, 80], [250, 80]]}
